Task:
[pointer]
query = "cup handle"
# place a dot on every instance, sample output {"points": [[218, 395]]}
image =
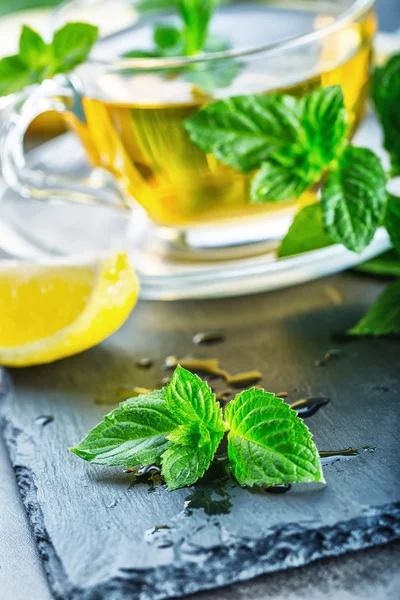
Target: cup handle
{"points": [[60, 95]]}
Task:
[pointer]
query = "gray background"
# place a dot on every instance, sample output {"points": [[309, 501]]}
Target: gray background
{"points": [[367, 575]]}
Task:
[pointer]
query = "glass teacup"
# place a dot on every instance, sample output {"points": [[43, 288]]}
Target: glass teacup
{"points": [[129, 113]]}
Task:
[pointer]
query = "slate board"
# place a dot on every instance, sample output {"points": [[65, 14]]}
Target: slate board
{"points": [[94, 526]]}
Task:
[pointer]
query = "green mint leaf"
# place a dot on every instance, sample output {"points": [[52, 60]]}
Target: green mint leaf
{"points": [[384, 316], [325, 125], [245, 131], [274, 183], [71, 45], [133, 434], [268, 443], [183, 465], [215, 43], [191, 400], [14, 75], [292, 140], [306, 233], [387, 265], [196, 15], [354, 198], [392, 220], [194, 442], [166, 36], [217, 74], [33, 50], [144, 6], [141, 54], [385, 86]]}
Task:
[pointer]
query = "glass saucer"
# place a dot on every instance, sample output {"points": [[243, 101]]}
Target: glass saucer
{"points": [[171, 266]]}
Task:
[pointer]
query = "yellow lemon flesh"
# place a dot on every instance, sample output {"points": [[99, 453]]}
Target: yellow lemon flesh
{"points": [[53, 309]]}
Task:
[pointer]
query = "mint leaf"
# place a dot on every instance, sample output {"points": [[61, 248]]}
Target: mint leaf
{"points": [[306, 233], [183, 465], [354, 198], [155, 5], [194, 442], [14, 75], [166, 36], [384, 316], [292, 140], [392, 220], [196, 15], [38, 61], [388, 265], [71, 45], [217, 74], [268, 443], [33, 50], [274, 183], [191, 400], [245, 131], [133, 434], [385, 87], [325, 124]]}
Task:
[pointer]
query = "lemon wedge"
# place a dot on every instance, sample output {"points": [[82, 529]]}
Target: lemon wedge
{"points": [[56, 308]]}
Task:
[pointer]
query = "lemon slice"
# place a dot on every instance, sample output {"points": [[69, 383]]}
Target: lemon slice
{"points": [[56, 308]]}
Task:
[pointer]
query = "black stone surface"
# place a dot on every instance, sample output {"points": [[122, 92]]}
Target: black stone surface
{"points": [[95, 527]]}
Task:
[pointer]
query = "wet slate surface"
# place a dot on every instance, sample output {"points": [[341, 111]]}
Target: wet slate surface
{"points": [[95, 527]]}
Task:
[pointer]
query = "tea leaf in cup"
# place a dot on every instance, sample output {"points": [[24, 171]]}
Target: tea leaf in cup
{"points": [[274, 183], [166, 36], [196, 15], [354, 198], [245, 131], [292, 140]]}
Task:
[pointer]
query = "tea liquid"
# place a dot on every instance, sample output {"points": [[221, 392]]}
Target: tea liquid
{"points": [[137, 133]]}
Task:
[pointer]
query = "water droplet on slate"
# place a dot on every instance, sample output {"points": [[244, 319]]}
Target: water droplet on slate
{"points": [[278, 489], [159, 536], [307, 407], [369, 448], [44, 420], [144, 363], [331, 456], [208, 338]]}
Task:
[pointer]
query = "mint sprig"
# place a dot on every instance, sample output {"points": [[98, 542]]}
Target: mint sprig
{"points": [[189, 39], [268, 443], [291, 141], [181, 427], [38, 60]]}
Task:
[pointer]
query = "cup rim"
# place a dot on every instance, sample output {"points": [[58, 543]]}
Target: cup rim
{"points": [[349, 15]]}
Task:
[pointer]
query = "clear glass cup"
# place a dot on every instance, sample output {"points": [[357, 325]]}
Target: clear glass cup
{"points": [[128, 112]]}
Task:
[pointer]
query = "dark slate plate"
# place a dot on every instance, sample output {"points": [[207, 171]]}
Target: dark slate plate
{"points": [[95, 527]]}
